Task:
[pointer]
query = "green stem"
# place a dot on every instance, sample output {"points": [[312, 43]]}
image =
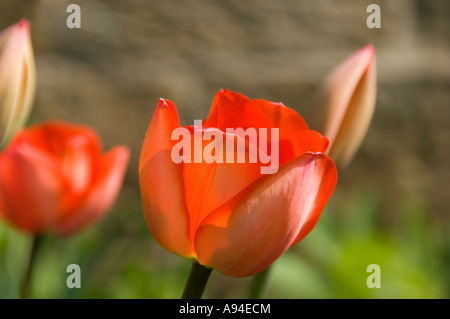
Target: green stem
{"points": [[259, 283], [26, 283], [197, 281]]}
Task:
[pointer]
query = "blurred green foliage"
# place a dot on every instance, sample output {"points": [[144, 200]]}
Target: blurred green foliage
{"points": [[332, 261], [118, 258]]}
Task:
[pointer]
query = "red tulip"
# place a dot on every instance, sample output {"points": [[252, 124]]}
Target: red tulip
{"points": [[54, 178], [231, 216]]}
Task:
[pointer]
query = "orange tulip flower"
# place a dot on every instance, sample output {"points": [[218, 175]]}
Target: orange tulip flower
{"points": [[54, 178], [17, 78], [347, 99], [229, 215]]}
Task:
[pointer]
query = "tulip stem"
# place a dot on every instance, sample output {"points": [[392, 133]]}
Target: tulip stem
{"points": [[26, 284], [258, 284], [197, 281]]}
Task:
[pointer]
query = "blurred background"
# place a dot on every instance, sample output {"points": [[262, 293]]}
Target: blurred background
{"points": [[390, 207]]}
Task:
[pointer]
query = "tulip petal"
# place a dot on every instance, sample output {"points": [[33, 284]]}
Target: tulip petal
{"points": [[233, 110], [76, 147], [210, 185], [161, 183], [30, 188], [347, 97], [357, 119], [109, 173], [248, 233], [78, 165], [300, 142], [55, 137]]}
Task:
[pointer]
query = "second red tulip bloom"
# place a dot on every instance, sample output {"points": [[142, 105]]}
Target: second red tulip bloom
{"points": [[55, 178]]}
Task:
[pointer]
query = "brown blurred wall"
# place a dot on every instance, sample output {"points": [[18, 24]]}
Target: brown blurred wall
{"points": [[110, 73]]}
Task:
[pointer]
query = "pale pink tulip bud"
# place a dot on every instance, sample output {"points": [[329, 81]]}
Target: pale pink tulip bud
{"points": [[346, 103], [17, 78]]}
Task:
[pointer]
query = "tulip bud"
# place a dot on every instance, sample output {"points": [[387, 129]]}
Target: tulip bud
{"points": [[17, 78], [346, 103]]}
